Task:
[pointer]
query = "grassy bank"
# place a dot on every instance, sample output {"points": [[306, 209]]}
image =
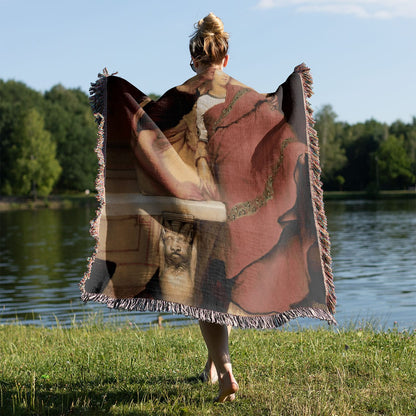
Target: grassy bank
{"points": [[101, 369]]}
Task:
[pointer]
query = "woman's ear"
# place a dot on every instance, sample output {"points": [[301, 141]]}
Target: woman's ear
{"points": [[225, 61]]}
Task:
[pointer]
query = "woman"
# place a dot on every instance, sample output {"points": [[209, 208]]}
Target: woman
{"points": [[209, 52], [219, 149], [211, 203]]}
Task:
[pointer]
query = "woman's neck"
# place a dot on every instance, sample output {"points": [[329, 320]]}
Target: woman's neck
{"points": [[202, 68]]}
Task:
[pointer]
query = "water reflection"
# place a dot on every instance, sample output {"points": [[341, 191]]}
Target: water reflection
{"points": [[374, 260], [43, 257]]}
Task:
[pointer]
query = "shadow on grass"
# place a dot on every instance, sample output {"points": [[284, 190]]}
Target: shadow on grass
{"points": [[100, 396]]}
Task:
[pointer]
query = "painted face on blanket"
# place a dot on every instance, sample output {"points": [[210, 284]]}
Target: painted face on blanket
{"points": [[177, 247]]}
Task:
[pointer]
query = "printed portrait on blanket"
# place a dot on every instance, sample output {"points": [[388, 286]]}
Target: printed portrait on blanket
{"points": [[177, 264]]}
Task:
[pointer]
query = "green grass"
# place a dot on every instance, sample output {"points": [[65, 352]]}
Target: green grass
{"points": [[104, 369]]}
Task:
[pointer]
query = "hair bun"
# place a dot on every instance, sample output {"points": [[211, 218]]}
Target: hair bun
{"points": [[211, 25], [209, 42]]}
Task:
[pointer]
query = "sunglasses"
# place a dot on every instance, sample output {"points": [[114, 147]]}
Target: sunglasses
{"points": [[191, 64]]}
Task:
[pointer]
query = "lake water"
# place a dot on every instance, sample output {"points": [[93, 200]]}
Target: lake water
{"points": [[43, 257]]}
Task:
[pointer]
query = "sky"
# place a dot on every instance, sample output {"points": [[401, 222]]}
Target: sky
{"points": [[362, 53]]}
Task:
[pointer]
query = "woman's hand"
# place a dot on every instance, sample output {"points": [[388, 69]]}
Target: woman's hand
{"points": [[208, 186], [188, 190]]}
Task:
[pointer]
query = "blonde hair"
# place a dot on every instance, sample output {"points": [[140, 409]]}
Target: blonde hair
{"points": [[209, 42]]}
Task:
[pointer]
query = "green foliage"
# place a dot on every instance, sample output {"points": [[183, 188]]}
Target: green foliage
{"points": [[365, 156], [332, 154], [71, 123], [35, 168], [394, 164], [9, 114], [360, 172], [154, 96], [408, 134], [69, 132], [18, 93], [15, 100]]}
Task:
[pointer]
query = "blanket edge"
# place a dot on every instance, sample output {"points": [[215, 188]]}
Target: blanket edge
{"points": [[316, 189], [245, 322]]}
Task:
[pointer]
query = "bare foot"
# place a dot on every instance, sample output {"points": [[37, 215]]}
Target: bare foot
{"points": [[209, 374], [228, 388]]}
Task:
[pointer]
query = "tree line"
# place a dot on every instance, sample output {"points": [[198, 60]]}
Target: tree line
{"points": [[47, 143], [369, 156], [47, 140]]}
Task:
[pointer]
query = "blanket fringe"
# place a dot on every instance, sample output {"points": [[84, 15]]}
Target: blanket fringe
{"points": [[98, 103], [316, 188], [98, 90], [244, 322]]}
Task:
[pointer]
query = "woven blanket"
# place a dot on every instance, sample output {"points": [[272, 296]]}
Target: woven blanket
{"points": [[210, 202]]}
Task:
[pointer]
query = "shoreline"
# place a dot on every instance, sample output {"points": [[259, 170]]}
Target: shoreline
{"points": [[62, 201], [364, 195], [66, 201]]}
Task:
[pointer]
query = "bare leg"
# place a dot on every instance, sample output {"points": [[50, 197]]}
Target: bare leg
{"points": [[216, 339], [209, 374]]}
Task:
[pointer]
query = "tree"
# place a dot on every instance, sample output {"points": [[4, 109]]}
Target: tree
{"points": [[15, 92], [408, 133], [15, 99], [35, 168], [153, 96], [8, 122], [332, 154], [71, 123], [362, 141], [394, 164]]}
